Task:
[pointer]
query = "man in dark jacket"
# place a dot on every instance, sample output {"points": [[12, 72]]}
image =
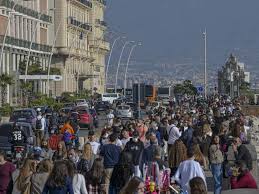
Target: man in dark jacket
{"points": [[110, 153], [187, 135], [135, 147], [242, 153]]}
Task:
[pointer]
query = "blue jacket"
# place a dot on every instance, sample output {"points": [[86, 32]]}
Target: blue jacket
{"points": [[67, 189], [111, 155], [187, 137]]}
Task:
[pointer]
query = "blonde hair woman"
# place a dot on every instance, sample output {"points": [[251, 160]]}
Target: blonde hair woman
{"points": [[22, 177], [198, 156], [39, 178], [87, 159]]}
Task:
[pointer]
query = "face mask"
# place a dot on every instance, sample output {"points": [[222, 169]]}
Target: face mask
{"points": [[135, 139]]}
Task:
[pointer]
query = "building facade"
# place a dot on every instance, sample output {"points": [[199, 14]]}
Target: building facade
{"points": [[232, 76], [80, 48], [28, 28]]}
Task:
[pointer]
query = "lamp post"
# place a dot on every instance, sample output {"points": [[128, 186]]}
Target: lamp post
{"points": [[205, 63], [126, 71], [6, 30], [109, 60], [29, 54], [118, 67]]}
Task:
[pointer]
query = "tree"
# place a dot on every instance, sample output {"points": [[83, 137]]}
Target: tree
{"points": [[5, 80], [185, 88], [26, 87]]}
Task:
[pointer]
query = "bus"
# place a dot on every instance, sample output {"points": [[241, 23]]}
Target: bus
{"points": [[110, 97], [150, 93]]}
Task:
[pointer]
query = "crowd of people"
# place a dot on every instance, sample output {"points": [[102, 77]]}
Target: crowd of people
{"points": [[168, 150]]}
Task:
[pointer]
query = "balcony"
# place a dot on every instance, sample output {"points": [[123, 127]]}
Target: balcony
{"points": [[79, 24], [102, 2], [25, 44], [101, 44], [87, 3], [26, 11], [101, 23]]}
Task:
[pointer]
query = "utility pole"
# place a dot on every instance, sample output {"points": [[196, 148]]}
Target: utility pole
{"points": [[205, 62]]}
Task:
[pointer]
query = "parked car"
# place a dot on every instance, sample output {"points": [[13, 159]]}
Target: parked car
{"points": [[124, 111], [66, 110], [86, 119], [6, 129], [95, 117], [81, 102], [26, 115], [69, 105], [102, 106]]}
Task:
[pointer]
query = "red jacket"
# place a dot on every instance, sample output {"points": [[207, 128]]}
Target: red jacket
{"points": [[246, 181]]}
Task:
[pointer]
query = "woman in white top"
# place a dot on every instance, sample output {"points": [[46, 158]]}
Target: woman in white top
{"points": [[79, 186]]}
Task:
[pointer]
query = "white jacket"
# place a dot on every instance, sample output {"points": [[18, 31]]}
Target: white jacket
{"points": [[79, 184]]}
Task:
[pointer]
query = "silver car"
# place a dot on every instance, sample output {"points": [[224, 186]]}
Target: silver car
{"points": [[124, 111]]}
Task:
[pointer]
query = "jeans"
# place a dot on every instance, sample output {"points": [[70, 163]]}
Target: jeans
{"points": [[217, 176]]}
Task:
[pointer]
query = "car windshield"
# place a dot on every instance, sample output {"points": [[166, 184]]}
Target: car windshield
{"points": [[22, 113], [123, 107]]}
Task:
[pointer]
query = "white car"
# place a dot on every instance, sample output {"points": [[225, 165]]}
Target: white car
{"points": [[124, 111], [81, 102]]}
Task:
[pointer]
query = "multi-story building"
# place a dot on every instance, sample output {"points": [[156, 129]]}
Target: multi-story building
{"points": [[29, 22], [231, 77], [80, 45]]}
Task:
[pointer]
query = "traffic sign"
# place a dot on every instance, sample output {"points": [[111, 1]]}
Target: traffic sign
{"points": [[199, 89]]}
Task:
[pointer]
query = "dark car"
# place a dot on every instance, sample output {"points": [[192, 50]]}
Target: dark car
{"points": [[66, 110], [69, 105], [26, 115], [95, 117], [6, 129], [102, 106]]}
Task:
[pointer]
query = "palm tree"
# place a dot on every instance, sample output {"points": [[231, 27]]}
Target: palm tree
{"points": [[5, 80]]}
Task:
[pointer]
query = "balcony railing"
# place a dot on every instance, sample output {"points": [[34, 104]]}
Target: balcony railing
{"points": [[25, 10], [102, 2], [102, 44], [102, 23], [79, 24], [25, 44], [86, 3]]}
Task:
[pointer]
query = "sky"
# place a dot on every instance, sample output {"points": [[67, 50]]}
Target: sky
{"points": [[171, 30]]}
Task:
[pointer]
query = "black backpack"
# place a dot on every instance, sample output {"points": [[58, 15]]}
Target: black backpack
{"points": [[38, 124]]}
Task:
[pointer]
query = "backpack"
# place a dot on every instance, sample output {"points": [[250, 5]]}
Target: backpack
{"points": [[38, 124]]}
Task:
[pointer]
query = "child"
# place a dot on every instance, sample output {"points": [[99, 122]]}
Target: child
{"points": [[67, 138]]}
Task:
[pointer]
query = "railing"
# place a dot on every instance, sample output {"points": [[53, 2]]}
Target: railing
{"points": [[79, 24], [102, 23], [25, 44], [102, 44], [25, 10], [86, 3], [102, 2]]}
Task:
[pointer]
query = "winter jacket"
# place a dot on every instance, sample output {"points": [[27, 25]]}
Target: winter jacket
{"points": [[136, 149], [245, 181]]}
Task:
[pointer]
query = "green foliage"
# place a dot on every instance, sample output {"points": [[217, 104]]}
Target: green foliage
{"points": [[36, 69], [67, 97], [5, 80], [185, 88], [6, 110]]}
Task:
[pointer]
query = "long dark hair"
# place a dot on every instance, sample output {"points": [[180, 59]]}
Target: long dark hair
{"points": [[123, 170], [96, 172], [58, 175], [131, 186], [198, 186]]}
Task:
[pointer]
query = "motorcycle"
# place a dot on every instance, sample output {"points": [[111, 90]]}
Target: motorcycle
{"points": [[19, 152]]}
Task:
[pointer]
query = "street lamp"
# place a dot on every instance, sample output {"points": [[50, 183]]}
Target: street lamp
{"points": [[32, 38], [125, 78], [118, 67], [6, 30], [109, 60], [205, 63]]}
